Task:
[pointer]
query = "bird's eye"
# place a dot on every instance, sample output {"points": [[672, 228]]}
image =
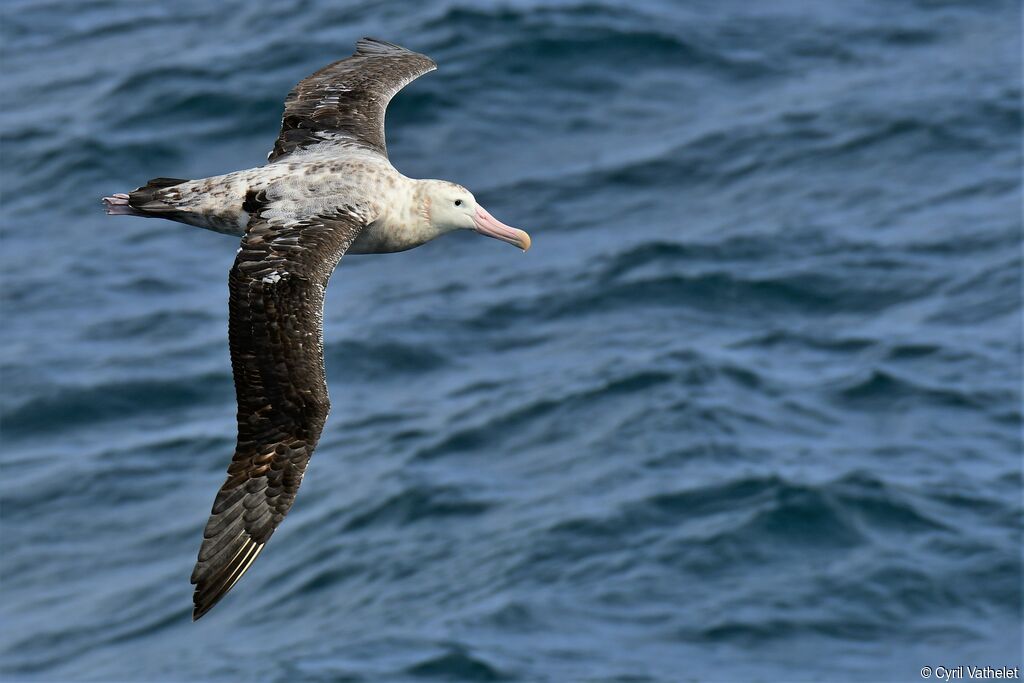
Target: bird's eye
{"points": [[458, 202]]}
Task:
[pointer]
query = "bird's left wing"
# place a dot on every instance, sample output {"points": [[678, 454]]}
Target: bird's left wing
{"points": [[276, 334], [344, 102]]}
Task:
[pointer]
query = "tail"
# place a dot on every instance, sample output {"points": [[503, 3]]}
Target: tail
{"points": [[117, 205], [144, 201]]}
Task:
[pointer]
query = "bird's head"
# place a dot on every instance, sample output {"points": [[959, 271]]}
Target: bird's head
{"points": [[448, 206]]}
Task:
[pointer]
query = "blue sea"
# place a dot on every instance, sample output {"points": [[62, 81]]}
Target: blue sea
{"points": [[749, 410]]}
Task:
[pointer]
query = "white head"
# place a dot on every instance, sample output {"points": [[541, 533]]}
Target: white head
{"points": [[448, 206]]}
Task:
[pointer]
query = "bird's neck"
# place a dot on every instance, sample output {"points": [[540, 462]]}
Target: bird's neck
{"points": [[404, 222], [419, 204]]}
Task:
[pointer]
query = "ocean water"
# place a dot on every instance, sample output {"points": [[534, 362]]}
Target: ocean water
{"points": [[749, 410]]}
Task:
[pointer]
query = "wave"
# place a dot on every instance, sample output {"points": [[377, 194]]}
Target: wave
{"points": [[457, 664], [535, 412], [380, 359], [151, 326], [880, 388], [807, 291], [762, 517], [65, 408], [418, 504]]}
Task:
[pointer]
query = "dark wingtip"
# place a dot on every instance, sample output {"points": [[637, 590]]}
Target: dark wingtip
{"points": [[211, 588], [368, 45], [199, 610]]}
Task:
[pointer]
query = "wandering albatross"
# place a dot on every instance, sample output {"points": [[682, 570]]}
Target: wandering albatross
{"points": [[327, 189]]}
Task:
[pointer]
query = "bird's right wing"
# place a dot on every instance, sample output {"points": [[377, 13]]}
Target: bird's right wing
{"points": [[344, 102], [276, 333]]}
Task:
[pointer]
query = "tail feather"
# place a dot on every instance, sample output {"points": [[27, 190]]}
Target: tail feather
{"points": [[144, 201], [117, 205], [160, 183], [147, 197]]}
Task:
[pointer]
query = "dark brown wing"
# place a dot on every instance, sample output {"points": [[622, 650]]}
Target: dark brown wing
{"points": [[345, 102], [275, 329]]}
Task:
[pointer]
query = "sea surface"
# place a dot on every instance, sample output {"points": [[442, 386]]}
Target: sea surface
{"points": [[749, 410]]}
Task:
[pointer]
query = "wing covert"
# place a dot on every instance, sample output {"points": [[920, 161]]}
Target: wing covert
{"points": [[275, 329], [345, 102]]}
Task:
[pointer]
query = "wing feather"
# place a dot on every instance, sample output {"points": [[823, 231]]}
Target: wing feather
{"points": [[276, 336], [345, 102]]}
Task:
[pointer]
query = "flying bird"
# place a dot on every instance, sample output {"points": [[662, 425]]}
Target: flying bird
{"points": [[327, 189]]}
